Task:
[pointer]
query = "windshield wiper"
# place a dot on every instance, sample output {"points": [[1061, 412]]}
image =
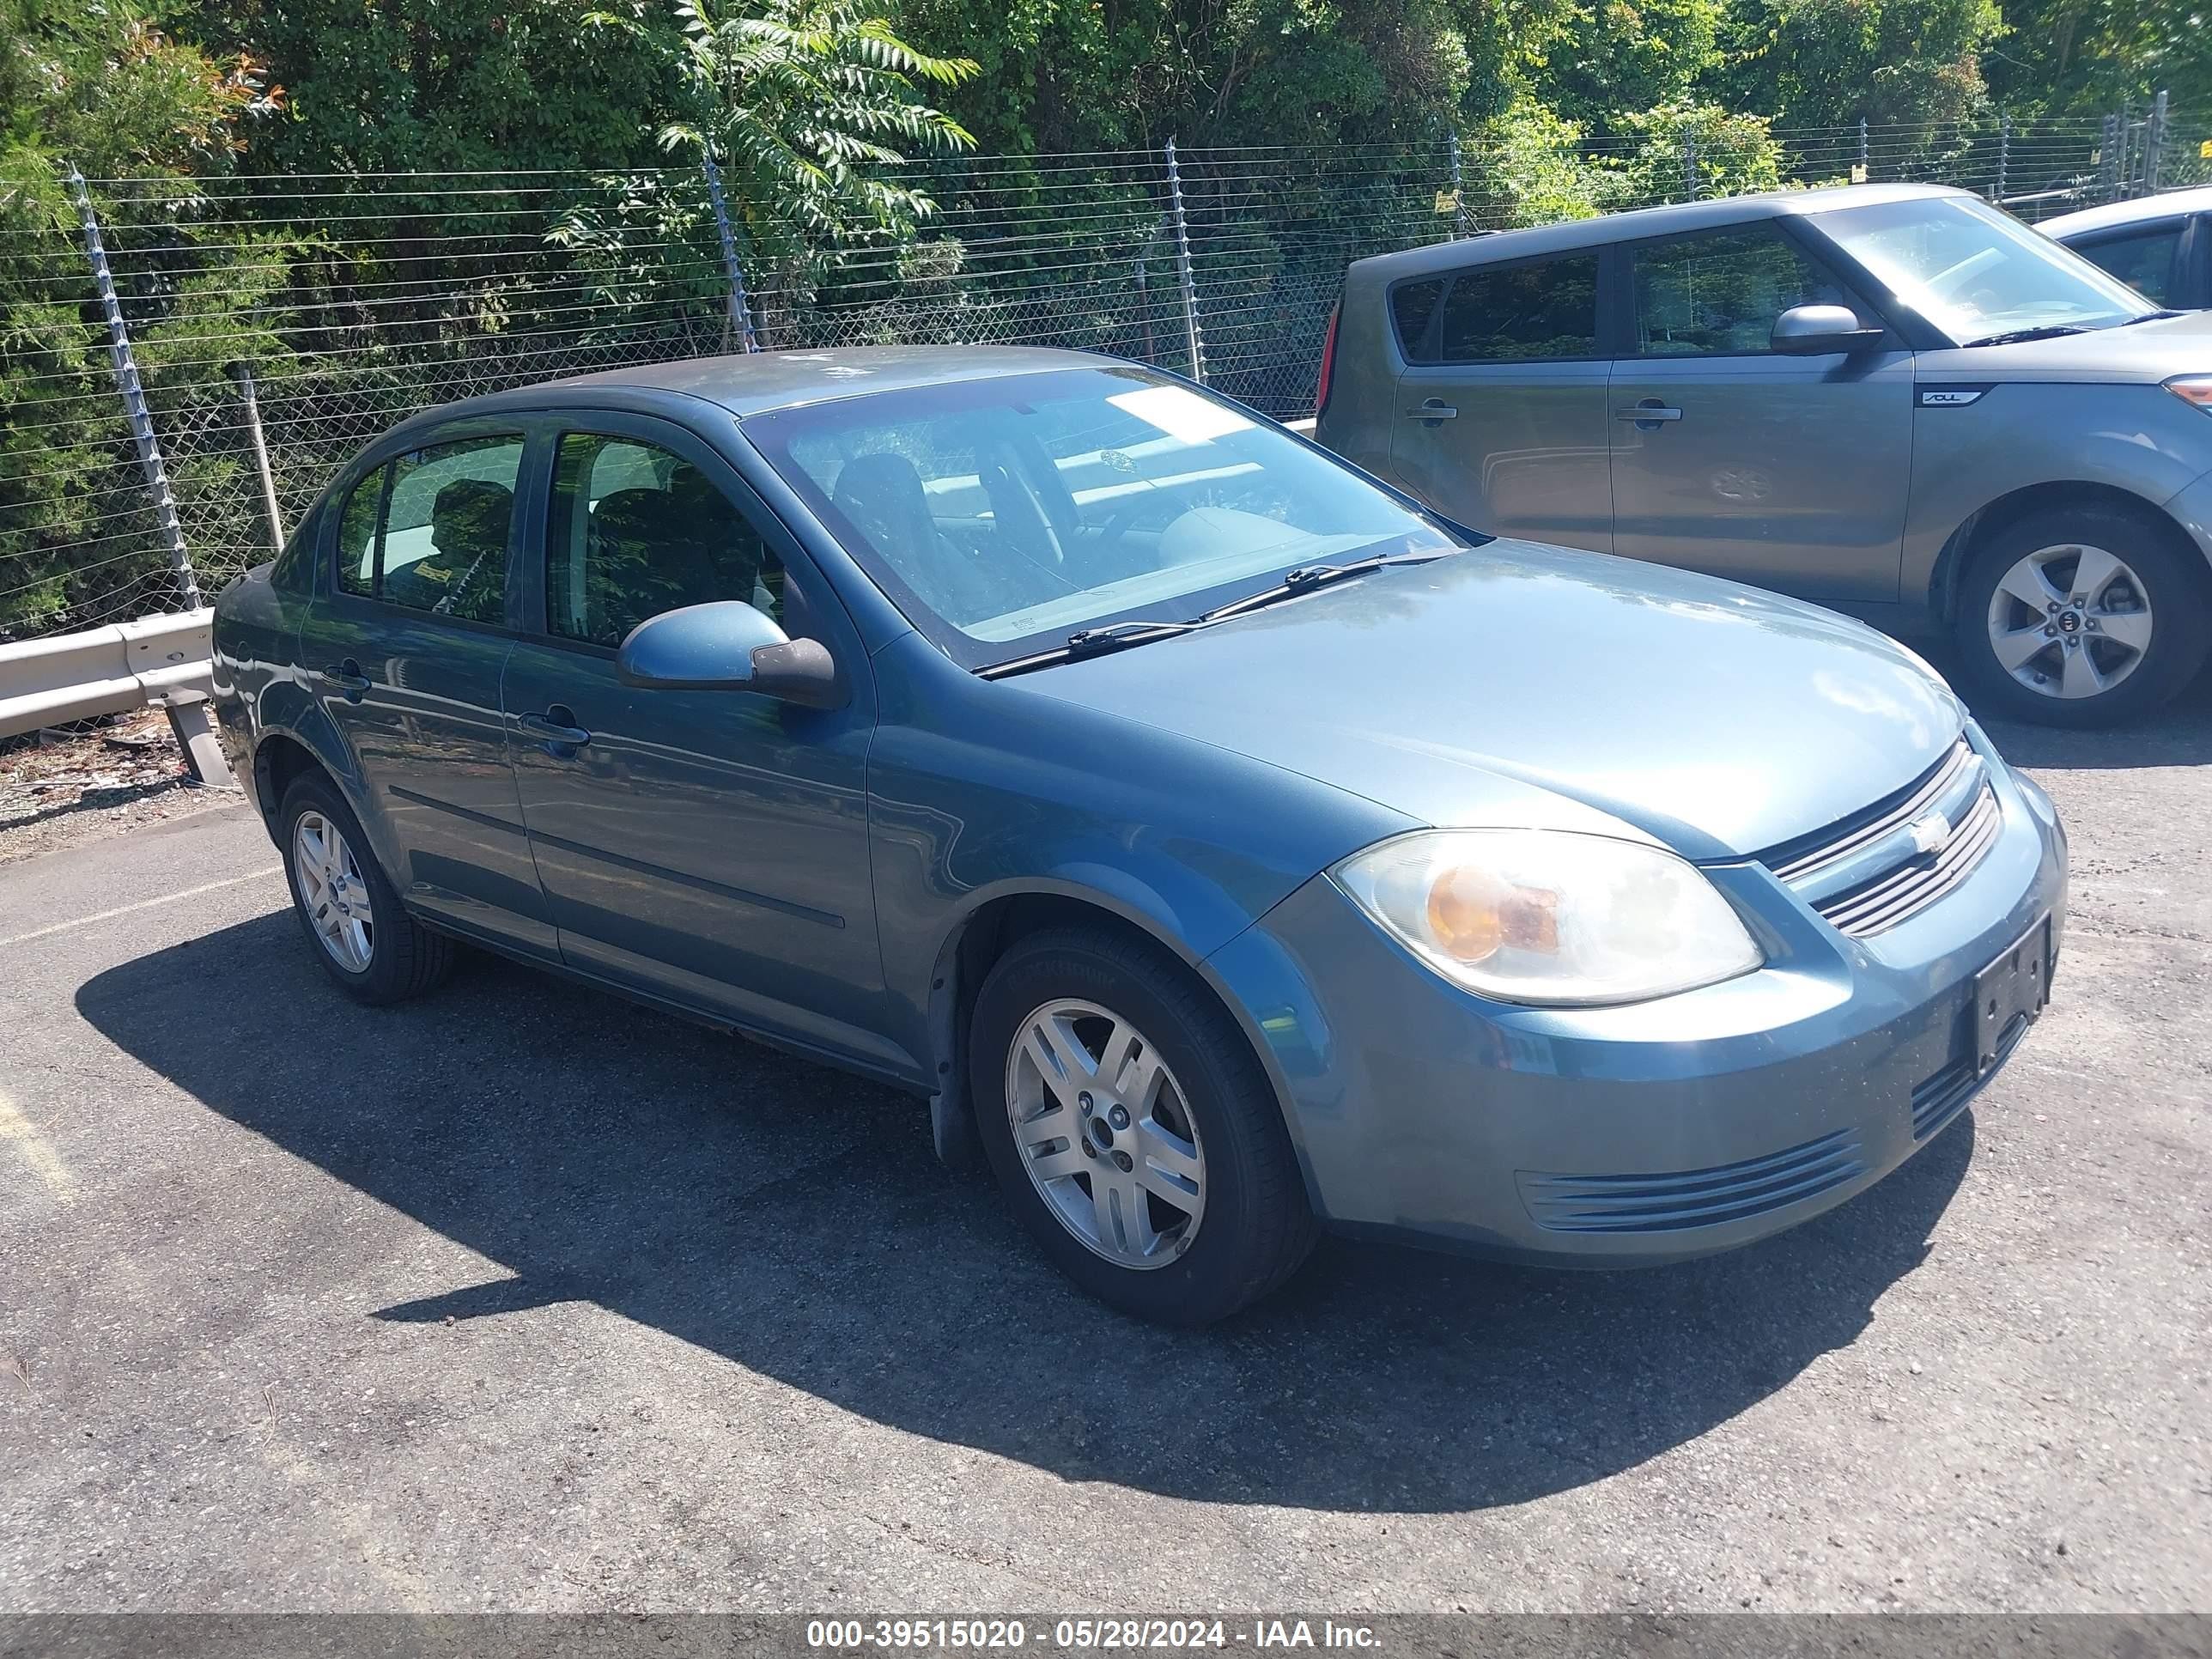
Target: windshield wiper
{"points": [[2153, 316], [1308, 577], [1092, 642], [1137, 630], [2018, 335]]}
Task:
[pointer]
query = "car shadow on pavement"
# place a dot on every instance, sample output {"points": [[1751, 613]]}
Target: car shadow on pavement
{"points": [[795, 1222]]}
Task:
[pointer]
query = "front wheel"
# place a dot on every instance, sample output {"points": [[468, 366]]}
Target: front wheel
{"points": [[1132, 1130], [2082, 618]]}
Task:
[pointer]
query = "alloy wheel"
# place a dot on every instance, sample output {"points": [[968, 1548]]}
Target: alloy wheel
{"points": [[1106, 1134], [332, 892], [2069, 621]]}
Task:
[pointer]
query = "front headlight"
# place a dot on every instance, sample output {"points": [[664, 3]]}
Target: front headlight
{"points": [[1548, 917], [2192, 389]]}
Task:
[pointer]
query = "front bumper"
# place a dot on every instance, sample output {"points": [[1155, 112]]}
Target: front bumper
{"points": [[1609, 1137]]}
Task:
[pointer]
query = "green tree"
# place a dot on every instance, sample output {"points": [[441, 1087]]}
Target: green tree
{"points": [[1616, 57], [2082, 56], [801, 103], [100, 88], [1827, 62]]}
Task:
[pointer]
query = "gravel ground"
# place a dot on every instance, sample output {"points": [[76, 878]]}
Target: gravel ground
{"points": [[57, 790], [523, 1299]]}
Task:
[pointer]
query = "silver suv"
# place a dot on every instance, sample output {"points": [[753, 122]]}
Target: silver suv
{"points": [[1893, 399]]}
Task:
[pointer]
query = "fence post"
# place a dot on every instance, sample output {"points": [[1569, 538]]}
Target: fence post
{"points": [[2155, 145], [2108, 157], [134, 400], [1866, 154], [1459, 196], [1183, 272], [740, 326], [1689, 167], [242, 372], [2004, 157]]}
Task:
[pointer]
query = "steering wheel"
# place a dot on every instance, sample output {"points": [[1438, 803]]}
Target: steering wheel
{"points": [[1007, 465]]}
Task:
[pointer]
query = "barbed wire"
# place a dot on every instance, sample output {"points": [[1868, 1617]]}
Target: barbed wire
{"points": [[355, 300]]}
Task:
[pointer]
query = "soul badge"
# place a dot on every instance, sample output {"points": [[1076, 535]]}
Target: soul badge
{"points": [[1297, 1633]]}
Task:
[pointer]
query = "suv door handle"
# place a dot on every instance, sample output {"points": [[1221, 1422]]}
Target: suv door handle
{"points": [[1651, 409], [347, 678], [556, 728], [1433, 410]]}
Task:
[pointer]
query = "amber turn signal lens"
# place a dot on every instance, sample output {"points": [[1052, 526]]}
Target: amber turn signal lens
{"points": [[1471, 915]]}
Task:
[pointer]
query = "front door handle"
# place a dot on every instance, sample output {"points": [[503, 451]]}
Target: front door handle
{"points": [[557, 731], [347, 678], [1650, 412], [1434, 410]]}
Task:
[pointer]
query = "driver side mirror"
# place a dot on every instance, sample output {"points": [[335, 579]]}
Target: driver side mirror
{"points": [[728, 646], [1816, 330]]}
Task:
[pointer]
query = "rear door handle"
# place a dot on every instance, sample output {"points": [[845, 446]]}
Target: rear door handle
{"points": [[1651, 409], [347, 678], [1433, 410], [557, 731]]}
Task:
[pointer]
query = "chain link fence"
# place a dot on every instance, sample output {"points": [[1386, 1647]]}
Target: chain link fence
{"points": [[290, 319]]}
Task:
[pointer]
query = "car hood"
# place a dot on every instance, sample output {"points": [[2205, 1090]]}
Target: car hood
{"points": [[2141, 352], [1517, 685]]}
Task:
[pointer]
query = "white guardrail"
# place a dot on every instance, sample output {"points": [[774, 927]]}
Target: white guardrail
{"points": [[161, 662]]}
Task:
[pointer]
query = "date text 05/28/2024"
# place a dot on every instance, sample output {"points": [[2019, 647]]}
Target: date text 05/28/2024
{"points": [[998, 1635]]}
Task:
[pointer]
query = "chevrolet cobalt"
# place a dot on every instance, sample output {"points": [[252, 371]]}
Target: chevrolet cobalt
{"points": [[1225, 845]]}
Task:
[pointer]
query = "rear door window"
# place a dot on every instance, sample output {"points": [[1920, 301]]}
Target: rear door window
{"points": [[428, 530], [1538, 310]]}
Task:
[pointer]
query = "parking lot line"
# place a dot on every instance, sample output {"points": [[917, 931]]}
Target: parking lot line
{"points": [[141, 904], [22, 1134]]}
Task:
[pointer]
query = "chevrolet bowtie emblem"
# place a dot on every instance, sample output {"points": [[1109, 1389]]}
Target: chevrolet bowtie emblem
{"points": [[1930, 832]]}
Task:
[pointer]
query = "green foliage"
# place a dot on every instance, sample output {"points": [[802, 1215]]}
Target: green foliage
{"points": [[1828, 62], [799, 104], [1722, 153], [1534, 171], [1617, 56], [98, 87], [2082, 55]]}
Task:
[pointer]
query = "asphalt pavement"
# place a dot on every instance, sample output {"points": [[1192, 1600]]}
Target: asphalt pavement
{"points": [[522, 1298]]}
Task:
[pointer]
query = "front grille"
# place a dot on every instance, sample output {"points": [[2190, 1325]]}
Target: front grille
{"points": [[1883, 866], [1691, 1198]]}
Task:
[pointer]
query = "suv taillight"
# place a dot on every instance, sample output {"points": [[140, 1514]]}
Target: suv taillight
{"points": [[1328, 363]]}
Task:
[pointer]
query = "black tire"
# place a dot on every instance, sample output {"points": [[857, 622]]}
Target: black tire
{"points": [[2177, 585], [1256, 1226], [405, 958]]}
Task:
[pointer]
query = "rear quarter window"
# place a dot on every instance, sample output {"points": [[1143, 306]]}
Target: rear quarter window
{"points": [[1412, 305], [1542, 310]]}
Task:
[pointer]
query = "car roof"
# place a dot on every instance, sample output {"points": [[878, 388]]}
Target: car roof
{"points": [[1640, 223], [755, 382], [2141, 209]]}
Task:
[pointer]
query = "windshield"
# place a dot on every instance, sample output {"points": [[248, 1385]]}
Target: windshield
{"points": [[1975, 272], [1002, 515]]}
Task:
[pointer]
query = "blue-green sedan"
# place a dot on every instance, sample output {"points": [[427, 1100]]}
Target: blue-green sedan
{"points": [[1225, 846]]}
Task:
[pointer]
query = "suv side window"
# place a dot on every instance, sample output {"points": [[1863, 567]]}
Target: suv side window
{"points": [[428, 530], [1717, 296], [1518, 314], [2144, 261], [637, 529]]}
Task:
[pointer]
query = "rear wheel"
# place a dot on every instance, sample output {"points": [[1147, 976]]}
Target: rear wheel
{"points": [[368, 945], [2082, 618], [1132, 1130]]}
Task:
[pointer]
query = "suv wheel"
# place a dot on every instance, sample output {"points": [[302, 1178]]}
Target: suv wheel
{"points": [[1132, 1130], [348, 910], [2082, 618]]}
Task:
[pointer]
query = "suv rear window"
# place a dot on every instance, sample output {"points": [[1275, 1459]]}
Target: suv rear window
{"points": [[1517, 313]]}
